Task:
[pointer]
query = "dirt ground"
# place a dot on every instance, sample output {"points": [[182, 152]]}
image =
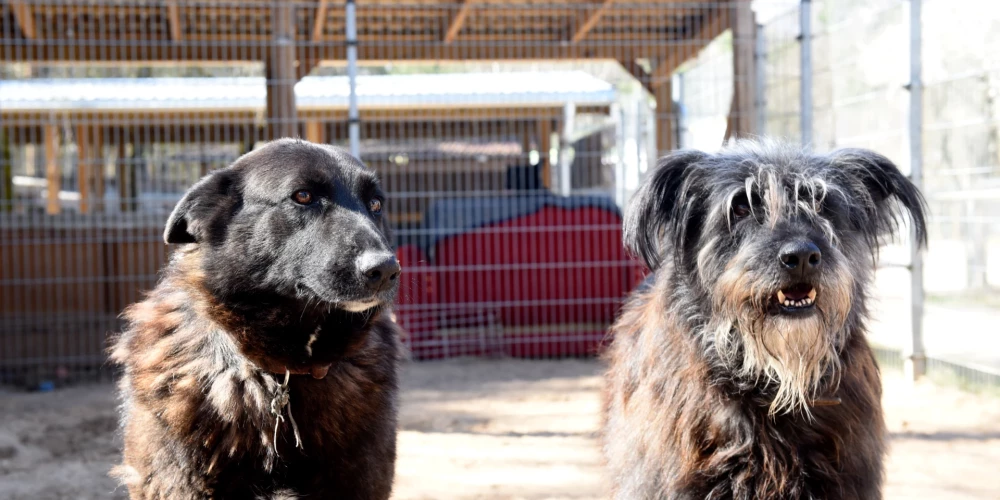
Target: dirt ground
{"points": [[500, 429]]}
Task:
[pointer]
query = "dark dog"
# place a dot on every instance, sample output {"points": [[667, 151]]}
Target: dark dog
{"points": [[740, 369], [285, 275]]}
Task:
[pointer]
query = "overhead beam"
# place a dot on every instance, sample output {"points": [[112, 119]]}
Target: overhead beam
{"points": [[639, 73], [591, 21], [458, 21], [162, 53], [714, 22], [25, 19], [319, 23], [174, 16]]}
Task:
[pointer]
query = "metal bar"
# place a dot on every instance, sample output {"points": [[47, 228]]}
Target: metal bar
{"points": [[353, 118], [914, 358], [806, 83]]}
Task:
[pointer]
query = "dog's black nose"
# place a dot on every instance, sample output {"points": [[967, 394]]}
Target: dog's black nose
{"points": [[378, 269], [802, 256]]}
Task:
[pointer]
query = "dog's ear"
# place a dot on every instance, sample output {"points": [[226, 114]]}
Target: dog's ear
{"points": [[889, 189], [201, 208], [655, 207]]}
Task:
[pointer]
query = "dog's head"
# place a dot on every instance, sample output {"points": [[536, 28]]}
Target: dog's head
{"points": [[776, 247], [292, 218], [290, 237]]}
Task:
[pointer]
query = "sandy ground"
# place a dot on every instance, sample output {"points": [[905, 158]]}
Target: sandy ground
{"points": [[487, 429]]}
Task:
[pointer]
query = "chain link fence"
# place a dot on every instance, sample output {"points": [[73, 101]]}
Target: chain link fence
{"points": [[508, 136]]}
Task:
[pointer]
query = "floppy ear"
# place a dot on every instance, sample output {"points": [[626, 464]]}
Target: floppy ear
{"points": [[204, 207], [889, 189], [655, 210]]}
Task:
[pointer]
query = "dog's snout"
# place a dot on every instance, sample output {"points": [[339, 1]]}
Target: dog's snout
{"points": [[378, 269], [801, 256]]}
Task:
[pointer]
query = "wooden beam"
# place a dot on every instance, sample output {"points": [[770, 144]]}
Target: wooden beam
{"points": [[229, 51], [666, 120], [591, 21], [126, 175], [639, 73], [316, 131], [279, 69], [25, 19], [713, 23], [174, 15], [97, 171], [53, 176], [740, 122], [319, 22], [458, 21], [544, 144], [83, 166]]}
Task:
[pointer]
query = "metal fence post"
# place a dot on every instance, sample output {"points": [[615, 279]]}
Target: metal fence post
{"points": [[914, 359], [806, 82], [760, 99], [353, 118]]}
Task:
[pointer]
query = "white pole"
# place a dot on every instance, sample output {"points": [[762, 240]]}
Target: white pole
{"points": [[353, 118], [806, 83], [914, 359]]}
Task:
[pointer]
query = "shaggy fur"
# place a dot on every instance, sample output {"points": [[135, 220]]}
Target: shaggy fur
{"points": [[264, 283], [718, 390]]}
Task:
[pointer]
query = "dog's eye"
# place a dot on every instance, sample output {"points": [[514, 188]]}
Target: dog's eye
{"points": [[375, 205], [741, 207], [302, 197]]}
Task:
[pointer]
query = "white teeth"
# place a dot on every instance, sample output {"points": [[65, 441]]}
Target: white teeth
{"points": [[809, 300]]}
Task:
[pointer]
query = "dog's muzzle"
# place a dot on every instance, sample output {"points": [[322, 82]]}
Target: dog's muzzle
{"points": [[795, 299]]}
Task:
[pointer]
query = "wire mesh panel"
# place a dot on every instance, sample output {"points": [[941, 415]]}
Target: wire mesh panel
{"points": [[508, 135], [861, 99]]}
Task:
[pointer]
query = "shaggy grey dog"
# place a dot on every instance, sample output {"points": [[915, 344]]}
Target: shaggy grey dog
{"points": [[740, 369]]}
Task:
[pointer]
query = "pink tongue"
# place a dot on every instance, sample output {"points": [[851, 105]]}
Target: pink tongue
{"points": [[319, 372]]}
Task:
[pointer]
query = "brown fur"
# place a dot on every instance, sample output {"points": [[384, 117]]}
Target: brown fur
{"points": [[197, 420], [741, 369], [699, 440]]}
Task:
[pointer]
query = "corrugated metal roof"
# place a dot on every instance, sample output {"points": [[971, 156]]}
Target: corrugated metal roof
{"points": [[424, 90]]}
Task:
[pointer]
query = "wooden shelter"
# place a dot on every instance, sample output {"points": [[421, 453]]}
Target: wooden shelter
{"points": [[650, 38]]}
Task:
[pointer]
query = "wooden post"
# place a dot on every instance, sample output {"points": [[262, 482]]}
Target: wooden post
{"points": [[282, 119], [666, 124], [544, 144], [126, 180], [316, 131], [97, 172], [741, 121], [83, 166], [53, 176]]}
